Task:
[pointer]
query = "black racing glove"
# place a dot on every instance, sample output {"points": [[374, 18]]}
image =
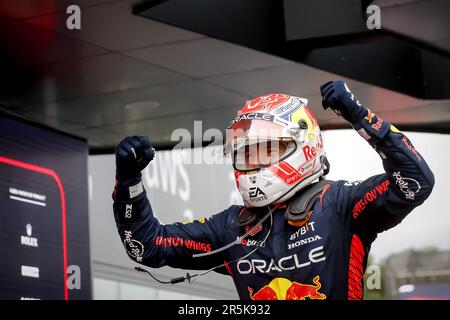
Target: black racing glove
{"points": [[133, 154], [337, 96]]}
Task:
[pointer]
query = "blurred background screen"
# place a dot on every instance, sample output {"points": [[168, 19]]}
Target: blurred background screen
{"points": [[44, 234]]}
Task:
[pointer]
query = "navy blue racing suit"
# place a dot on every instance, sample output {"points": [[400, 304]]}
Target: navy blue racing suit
{"points": [[323, 259]]}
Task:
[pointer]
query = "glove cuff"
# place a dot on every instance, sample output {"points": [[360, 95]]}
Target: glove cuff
{"points": [[371, 127], [359, 113], [128, 189], [128, 174]]}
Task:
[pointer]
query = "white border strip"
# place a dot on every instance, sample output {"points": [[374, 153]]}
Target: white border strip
{"points": [[43, 204]]}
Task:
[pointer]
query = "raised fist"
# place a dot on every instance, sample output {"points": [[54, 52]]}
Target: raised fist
{"points": [[337, 96], [133, 154]]}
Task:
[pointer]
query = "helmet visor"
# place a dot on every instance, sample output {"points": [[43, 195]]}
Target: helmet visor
{"points": [[254, 154], [254, 144], [255, 130]]}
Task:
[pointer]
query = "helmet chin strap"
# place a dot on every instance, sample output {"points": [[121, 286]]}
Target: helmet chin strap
{"points": [[325, 166]]}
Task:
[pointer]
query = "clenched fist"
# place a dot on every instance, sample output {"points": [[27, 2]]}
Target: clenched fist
{"points": [[133, 154], [337, 96]]}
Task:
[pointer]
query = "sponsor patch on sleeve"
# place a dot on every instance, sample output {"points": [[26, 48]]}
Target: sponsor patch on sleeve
{"points": [[136, 190]]}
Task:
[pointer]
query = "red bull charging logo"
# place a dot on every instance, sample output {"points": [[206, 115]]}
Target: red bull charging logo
{"points": [[284, 289]]}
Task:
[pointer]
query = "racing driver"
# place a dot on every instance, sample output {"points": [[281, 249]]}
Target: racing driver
{"points": [[298, 236]]}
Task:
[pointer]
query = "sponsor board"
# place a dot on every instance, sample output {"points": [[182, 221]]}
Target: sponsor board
{"points": [[28, 240]]}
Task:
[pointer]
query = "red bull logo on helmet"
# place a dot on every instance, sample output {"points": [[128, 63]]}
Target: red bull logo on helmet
{"points": [[284, 289], [269, 101]]}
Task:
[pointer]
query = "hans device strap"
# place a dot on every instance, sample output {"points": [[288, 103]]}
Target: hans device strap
{"points": [[248, 216], [302, 202]]}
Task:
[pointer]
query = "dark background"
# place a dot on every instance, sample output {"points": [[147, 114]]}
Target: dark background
{"points": [[67, 156]]}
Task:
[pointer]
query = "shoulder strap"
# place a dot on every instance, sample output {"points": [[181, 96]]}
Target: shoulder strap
{"points": [[302, 202], [248, 216]]}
